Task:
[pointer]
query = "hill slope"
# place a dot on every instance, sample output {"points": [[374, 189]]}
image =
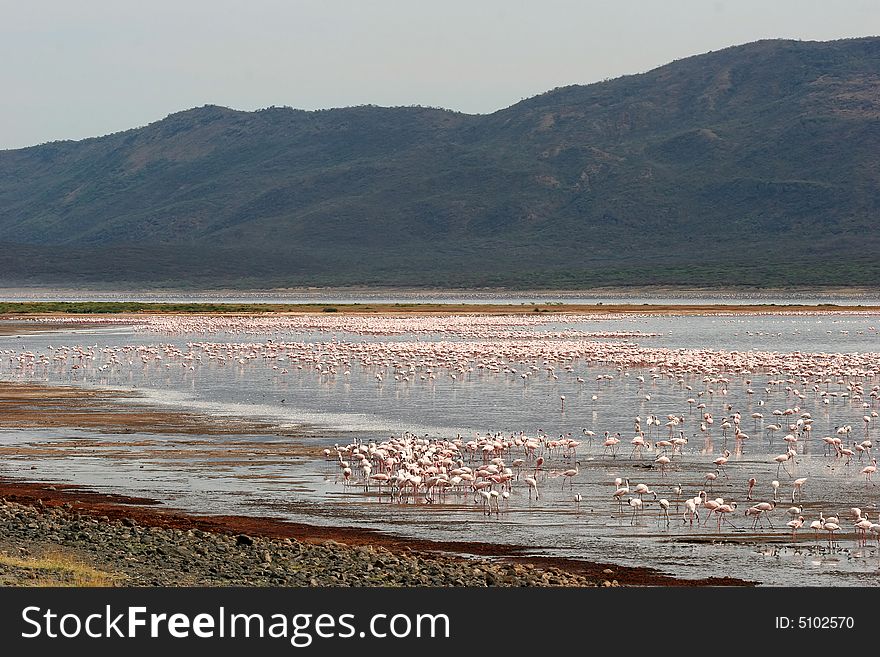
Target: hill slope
{"points": [[753, 165]]}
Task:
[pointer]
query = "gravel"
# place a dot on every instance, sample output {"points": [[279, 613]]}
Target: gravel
{"points": [[151, 556]]}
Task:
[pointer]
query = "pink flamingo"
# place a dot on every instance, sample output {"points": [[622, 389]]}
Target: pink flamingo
{"points": [[869, 472], [752, 483], [796, 488], [662, 461], [569, 474], [533, 485], [795, 524], [759, 510], [722, 511]]}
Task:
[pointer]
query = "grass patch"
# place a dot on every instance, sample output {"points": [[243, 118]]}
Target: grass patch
{"points": [[51, 569]]}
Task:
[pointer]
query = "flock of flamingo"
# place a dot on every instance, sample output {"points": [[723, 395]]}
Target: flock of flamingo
{"points": [[487, 468], [498, 472]]}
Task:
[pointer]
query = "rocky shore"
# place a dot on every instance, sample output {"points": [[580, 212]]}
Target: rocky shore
{"points": [[135, 555]]}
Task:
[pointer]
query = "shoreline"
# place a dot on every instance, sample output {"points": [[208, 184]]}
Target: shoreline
{"points": [[108, 510], [27, 317]]}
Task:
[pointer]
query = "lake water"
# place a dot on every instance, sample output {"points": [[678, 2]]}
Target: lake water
{"points": [[333, 380]]}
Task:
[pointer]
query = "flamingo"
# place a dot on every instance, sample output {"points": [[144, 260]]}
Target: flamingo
{"points": [[620, 492], [677, 490], [780, 461], [830, 527], [380, 478], [662, 461], [639, 444], [721, 461], [795, 524], [486, 497], [570, 474], [869, 472], [722, 511], [863, 526], [642, 489], [494, 495], [830, 441], [759, 510], [611, 444], [875, 529], [710, 479], [533, 486], [796, 488], [711, 506], [539, 467], [690, 506], [664, 508], [636, 505]]}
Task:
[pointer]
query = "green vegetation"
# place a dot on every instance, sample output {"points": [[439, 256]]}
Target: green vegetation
{"points": [[750, 166]]}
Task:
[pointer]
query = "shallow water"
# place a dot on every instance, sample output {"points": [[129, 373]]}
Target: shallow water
{"points": [[342, 408]]}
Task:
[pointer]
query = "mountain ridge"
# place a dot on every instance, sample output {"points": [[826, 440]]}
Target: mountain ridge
{"points": [[751, 165]]}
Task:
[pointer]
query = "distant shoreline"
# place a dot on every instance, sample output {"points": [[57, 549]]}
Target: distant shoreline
{"points": [[23, 311]]}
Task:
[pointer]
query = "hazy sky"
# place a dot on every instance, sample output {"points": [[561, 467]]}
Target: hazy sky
{"points": [[72, 69]]}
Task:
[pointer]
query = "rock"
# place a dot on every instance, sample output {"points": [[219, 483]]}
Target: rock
{"points": [[144, 555]]}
